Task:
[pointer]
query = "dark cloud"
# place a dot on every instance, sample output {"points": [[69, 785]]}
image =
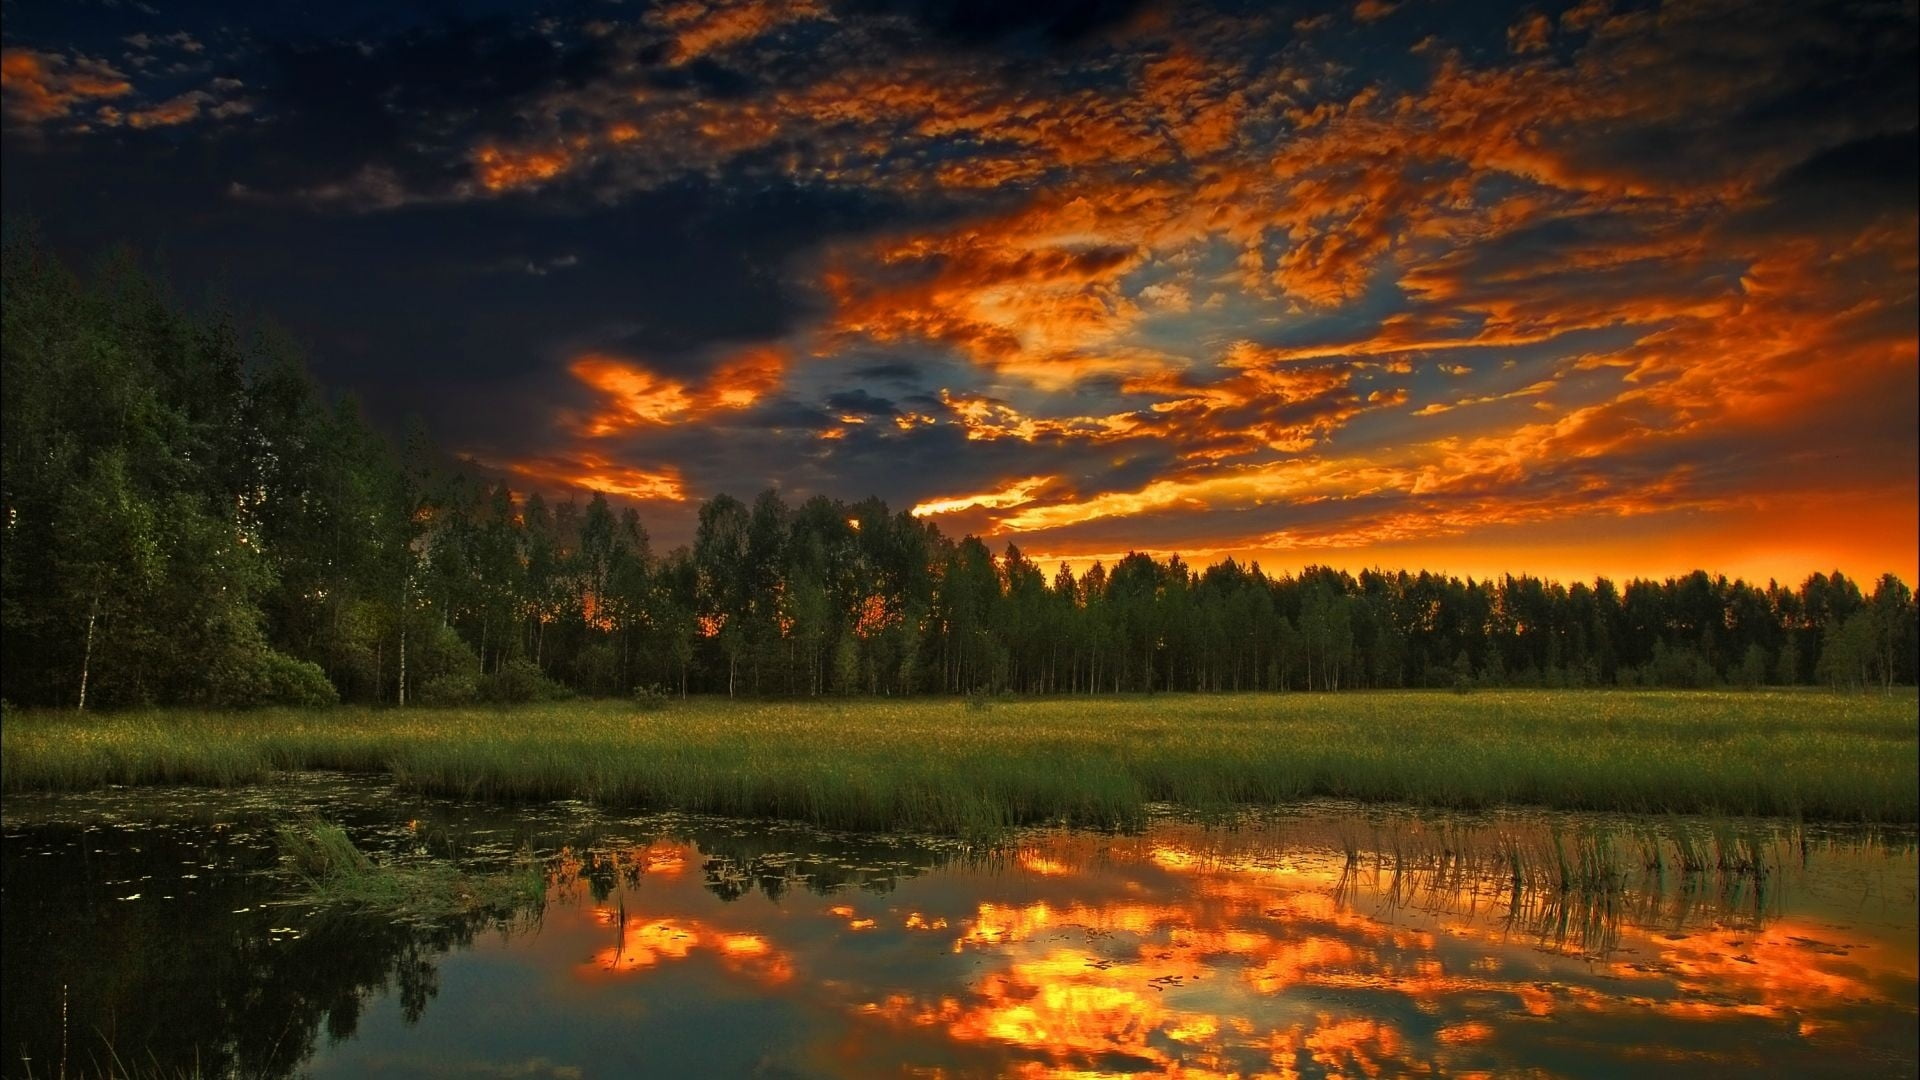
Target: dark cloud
{"points": [[1004, 24], [1842, 188], [1731, 90], [893, 371], [412, 103], [861, 403]]}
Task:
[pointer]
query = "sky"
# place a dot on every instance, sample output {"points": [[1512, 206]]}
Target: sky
{"points": [[1573, 289]]}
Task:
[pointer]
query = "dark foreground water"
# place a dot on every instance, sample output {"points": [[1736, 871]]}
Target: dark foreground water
{"points": [[146, 933]]}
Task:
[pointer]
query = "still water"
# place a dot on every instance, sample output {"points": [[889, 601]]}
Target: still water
{"points": [[1325, 940]]}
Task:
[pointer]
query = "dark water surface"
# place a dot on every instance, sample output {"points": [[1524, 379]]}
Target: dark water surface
{"points": [[1322, 941]]}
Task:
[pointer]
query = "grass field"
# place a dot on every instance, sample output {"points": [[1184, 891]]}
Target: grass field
{"points": [[940, 764]]}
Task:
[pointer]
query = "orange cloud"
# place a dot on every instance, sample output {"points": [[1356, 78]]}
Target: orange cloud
{"points": [[1296, 480], [1368, 11], [636, 397], [596, 472], [1530, 390], [1492, 200], [1531, 34], [1014, 295], [1018, 493], [500, 169], [700, 28], [38, 86], [988, 419], [745, 377], [1261, 402], [177, 110]]}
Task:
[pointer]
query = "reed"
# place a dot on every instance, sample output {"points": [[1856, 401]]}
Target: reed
{"points": [[941, 765]]}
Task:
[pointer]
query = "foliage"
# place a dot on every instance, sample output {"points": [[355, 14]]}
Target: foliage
{"points": [[1848, 654], [517, 682], [651, 698], [445, 690], [439, 653], [188, 519], [286, 681]]}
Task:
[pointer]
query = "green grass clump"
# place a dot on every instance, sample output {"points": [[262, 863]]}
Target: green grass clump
{"points": [[330, 871], [938, 764]]}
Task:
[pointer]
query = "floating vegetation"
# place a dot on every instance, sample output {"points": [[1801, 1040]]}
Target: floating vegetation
{"points": [[331, 872]]}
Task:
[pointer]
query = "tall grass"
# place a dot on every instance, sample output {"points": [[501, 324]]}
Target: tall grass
{"points": [[936, 764]]}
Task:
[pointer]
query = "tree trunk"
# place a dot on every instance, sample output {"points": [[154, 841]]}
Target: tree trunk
{"points": [[86, 657]]}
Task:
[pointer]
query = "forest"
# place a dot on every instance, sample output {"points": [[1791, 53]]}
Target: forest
{"points": [[191, 519]]}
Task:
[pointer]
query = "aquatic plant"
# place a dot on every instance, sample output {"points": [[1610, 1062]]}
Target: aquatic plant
{"points": [[329, 871]]}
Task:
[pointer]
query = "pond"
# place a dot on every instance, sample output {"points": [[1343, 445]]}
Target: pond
{"points": [[148, 933]]}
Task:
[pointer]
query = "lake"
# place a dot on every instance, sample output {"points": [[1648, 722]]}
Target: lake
{"points": [[147, 933]]}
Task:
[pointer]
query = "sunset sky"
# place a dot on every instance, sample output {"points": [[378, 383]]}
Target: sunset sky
{"points": [[1599, 288]]}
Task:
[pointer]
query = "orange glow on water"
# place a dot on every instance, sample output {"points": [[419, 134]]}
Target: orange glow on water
{"points": [[645, 944], [1205, 953]]}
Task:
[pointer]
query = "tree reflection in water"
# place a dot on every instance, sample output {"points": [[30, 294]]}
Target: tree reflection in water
{"points": [[1321, 942]]}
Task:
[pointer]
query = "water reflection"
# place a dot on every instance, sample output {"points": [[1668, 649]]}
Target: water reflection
{"points": [[1315, 944]]}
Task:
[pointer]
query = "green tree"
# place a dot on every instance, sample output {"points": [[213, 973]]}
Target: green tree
{"points": [[1892, 610], [1848, 651], [109, 555], [720, 557]]}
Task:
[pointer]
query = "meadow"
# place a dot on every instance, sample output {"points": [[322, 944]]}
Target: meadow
{"points": [[971, 767]]}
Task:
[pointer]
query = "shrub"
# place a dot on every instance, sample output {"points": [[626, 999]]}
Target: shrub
{"points": [[438, 651], [1680, 668], [596, 669], [287, 681], [442, 690], [244, 677], [517, 682], [651, 698]]}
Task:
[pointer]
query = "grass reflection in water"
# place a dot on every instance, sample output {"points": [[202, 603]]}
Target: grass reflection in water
{"points": [[1328, 941]]}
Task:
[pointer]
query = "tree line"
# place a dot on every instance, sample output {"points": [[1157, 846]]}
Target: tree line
{"points": [[190, 519]]}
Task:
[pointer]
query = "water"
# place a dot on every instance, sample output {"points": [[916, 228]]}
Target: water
{"points": [[1321, 941]]}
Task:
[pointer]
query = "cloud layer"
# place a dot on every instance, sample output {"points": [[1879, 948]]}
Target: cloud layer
{"points": [[1370, 283]]}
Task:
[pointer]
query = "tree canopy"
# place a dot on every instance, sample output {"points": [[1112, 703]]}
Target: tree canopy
{"points": [[190, 519]]}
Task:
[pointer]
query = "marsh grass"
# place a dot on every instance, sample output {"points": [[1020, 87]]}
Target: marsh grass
{"points": [[1571, 888], [945, 765], [328, 871]]}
